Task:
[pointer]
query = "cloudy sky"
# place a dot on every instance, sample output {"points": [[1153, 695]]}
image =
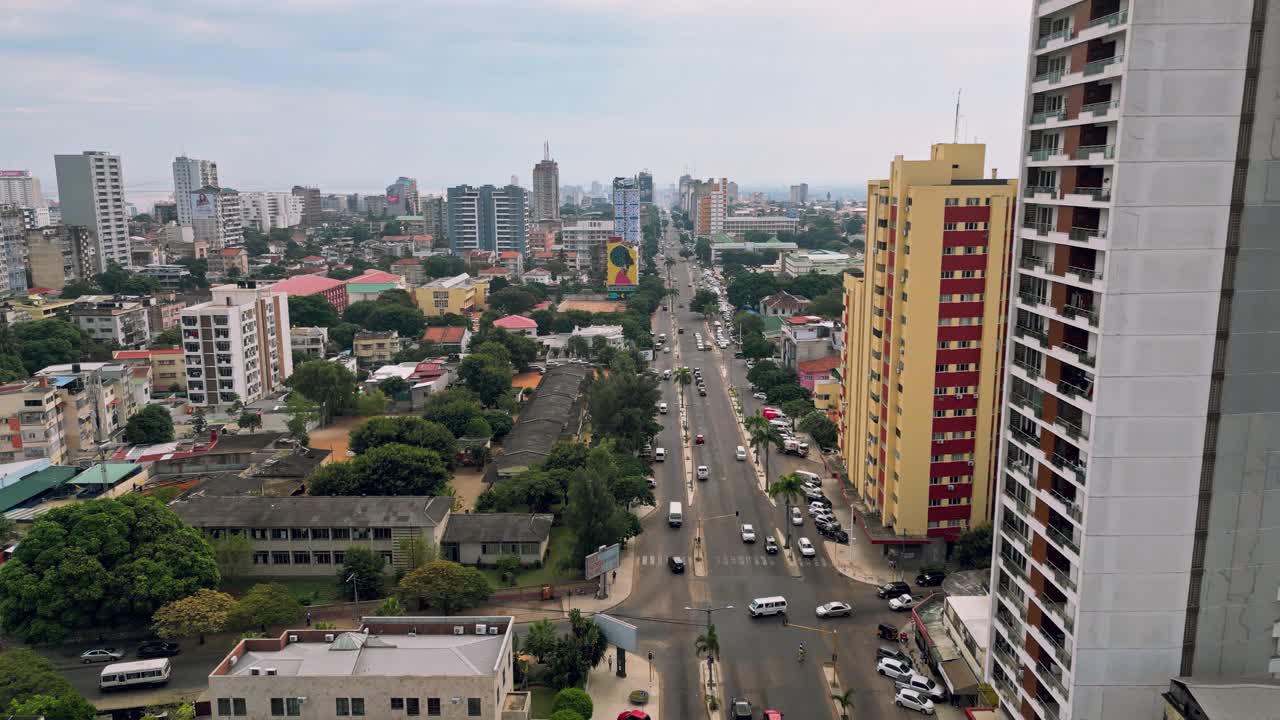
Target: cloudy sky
{"points": [[349, 94]]}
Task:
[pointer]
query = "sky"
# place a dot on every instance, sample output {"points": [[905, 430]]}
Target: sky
{"points": [[347, 95]]}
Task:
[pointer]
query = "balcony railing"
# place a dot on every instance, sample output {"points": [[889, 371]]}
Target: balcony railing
{"points": [[1010, 661], [1087, 151], [1071, 507], [1025, 437], [1042, 154], [1100, 108], [1045, 115], [1044, 40], [1014, 568], [1097, 66], [1031, 262], [1101, 194], [1073, 430], [1025, 331], [1073, 311], [1032, 298], [1115, 18], [1030, 369], [1085, 274], [1041, 228], [1061, 576], [1084, 234], [1084, 356], [1032, 190], [1026, 402], [1061, 539], [1052, 674]]}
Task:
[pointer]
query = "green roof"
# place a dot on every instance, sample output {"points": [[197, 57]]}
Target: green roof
{"points": [[773, 324], [34, 484], [115, 472], [410, 218], [371, 287]]}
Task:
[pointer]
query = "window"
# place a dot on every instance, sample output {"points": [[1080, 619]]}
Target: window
{"points": [[357, 706], [411, 706], [951, 202], [261, 557], [279, 534], [298, 533], [259, 533], [433, 707], [277, 706], [320, 533], [343, 707], [301, 557], [224, 707], [360, 534], [339, 557], [341, 534], [293, 707], [387, 557], [972, 226], [279, 558], [322, 558], [382, 533], [397, 703], [935, 502], [473, 707]]}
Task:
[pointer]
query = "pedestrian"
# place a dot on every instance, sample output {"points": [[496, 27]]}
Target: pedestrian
{"points": [[610, 663], [615, 576], [308, 618]]}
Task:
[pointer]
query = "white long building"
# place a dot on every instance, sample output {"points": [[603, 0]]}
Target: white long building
{"points": [[237, 345], [266, 211]]}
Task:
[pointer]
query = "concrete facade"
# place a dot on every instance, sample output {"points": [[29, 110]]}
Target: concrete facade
{"points": [[191, 174], [91, 195], [237, 345]]}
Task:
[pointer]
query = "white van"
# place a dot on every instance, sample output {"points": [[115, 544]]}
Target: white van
{"points": [[675, 515], [767, 606], [740, 453], [660, 455], [662, 408], [806, 475]]}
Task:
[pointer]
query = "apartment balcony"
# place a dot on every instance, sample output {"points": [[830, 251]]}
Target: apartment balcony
{"points": [[1113, 20], [1034, 405], [1064, 505], [1013, 664], [1032, 299], [1079, 312], [1062, 540], [1055, 642], [1043, 41], [1097, 67], [1051, 674], [1035, 263], [1095, 152], [1099, 111], [1014, 568], [1039, 336], [1032, 191], [1060, 610], [1072, 428], [1045, 116]]}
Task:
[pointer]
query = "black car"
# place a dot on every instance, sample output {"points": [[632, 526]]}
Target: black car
{"points": [[679, 331], [676, 564], [158, 648], [893, 590], [838, 536], [930, 578], [827, 527], [702, 391]]}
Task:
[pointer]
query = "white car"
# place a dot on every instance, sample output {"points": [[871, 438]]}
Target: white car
{"points": [[923, 685], [653, 481], [891, 668], [666, 349], [835, 609], [912, 700], [704, 473], [760, 396], [748, 533], [806, 548], [797, 517], [902, 602]]}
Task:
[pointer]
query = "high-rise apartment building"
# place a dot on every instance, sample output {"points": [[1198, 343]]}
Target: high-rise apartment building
{"points": [[923, 345], [237, 344], [21, 188], [713, 204], [402, 197], [217, 218], [13, 251], [1133, 540], [546, 187], [800, 194], [190, 175], [91, 195], [644, 181], [487, 218], [266, 211], [434, 217], [311, 213]]}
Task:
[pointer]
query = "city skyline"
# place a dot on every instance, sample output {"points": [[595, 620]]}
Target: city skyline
{"points": [[82, 79]]}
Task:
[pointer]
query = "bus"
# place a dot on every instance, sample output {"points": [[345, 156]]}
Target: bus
{"points": [[140, 673]]}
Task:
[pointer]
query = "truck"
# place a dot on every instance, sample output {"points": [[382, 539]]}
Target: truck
{"points": [[795, 447]]}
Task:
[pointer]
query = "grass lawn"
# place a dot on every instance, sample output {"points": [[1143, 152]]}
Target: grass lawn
{"points": [[309, 591], [543, 697], [551, 572]]}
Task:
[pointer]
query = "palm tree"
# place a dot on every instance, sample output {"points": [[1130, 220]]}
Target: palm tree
{"points": [[791, 488], [845, 701], [762, 435], [683, 377], [708, 644]]}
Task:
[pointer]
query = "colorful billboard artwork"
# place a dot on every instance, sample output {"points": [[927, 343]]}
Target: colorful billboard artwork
{"points": [[623, 265], [393, 199], [203, 206]]}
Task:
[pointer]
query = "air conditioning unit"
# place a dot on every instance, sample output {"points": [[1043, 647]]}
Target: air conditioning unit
{"points": [[970, 463], [959, 395], [328, 637], [951, 488], [255, 670], [459, 630], [480, 629], [293, 638], [493, 629], [271, 671]]}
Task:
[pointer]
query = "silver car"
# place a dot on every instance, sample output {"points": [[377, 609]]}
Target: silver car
{"points": [[101, 655]]}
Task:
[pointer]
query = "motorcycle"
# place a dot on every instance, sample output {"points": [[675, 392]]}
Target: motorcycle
{"points": [[887, 632]]}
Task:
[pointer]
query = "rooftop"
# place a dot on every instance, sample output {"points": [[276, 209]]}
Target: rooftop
{"points": [[819, 365], [543, 419], [515, 322], [312, 511], [447, 283], [308, 284], [375, 276], [1233, 698], [447, 335], [498, 527]]}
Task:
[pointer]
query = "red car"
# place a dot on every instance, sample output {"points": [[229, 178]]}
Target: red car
{"points": [[772, 715], [633, 715], [698, 439]]}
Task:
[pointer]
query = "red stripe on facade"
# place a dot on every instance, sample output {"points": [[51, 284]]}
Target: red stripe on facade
{"points": [[951, 402], [966, 213], [965, 238], [959, 332], [964, 262], [949, 512], [953, 357], [955, 424], [950, 491], [948, 447], [956, 286], [955, 378], [959, 309], [950, 469]]}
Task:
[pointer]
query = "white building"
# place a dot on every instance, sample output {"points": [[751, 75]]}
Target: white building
{"points": [[611, 333], [823, 262], [21, 188], [1133, 540], [309, 341], [449, 667], [190, 175], [216, 217], [91, 194], [13, 250], [740, 225], [108, 319], [587, 239], [269, 210], [237, 344]]}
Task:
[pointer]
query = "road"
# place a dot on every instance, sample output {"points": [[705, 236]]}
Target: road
{"points": [[759, 656]]}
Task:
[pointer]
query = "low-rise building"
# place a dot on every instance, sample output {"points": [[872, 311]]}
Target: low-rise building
{"points": [[372, 284], [333, 291], [483, 538], [1221, 698], [170, 277], [517, 325], [309, 535], [229, 263], [450, 667], [168, 366], [810, 372], [822, 262], [450, 340], [376, 347], [540, 275], [740, 225], [723, 243], [308, 341], [459, 295], [587, 239], [31, 422], [782, 304], [808, 338], [113, 320], [97, 400], [410, 269], [611, 333]]}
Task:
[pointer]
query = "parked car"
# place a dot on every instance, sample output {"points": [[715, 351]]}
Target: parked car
{"points": [[634, 713], [813, 493], [894, 669], [770, 545], [741, 709], [912, 700], [797, 517], [699, 439], [902, 602], [930, 578], [101, 655], [924, 686], [834, 609], [759, 395], [676, 564], [893, 589], [158, 648], [704, 473], [702, 391], [748, 533], [653, 481], [806, 548]]}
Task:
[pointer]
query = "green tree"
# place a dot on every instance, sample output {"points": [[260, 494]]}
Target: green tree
{"points": [[512, 301], [845, 702], [31, 685], [747, 289], [577, 346], [779, 394], [343, 335], [575, 700], [508, 566], [500, 422], [453, 408], [566, 455], [624, 407], [540, 639], [707, 645], [386, 470], [266, 604], [41, 343], [763, 437], [311, 311], [232, 553], [702, 249], [486, 376], [828, 305], [755, 346], [390, 607], [446, 586], [373, 402], [406, 430], [150, 425], [106, 562], [78, 288], [791, 488], [394, 387], [302, 412], [407, 321], [363, 571], [327, 384], [478, 428], [566, 715], [249, 421], [631, 490], [683, 378], [417, 551], [973, 548], [438, 266], [591, 511], [202, 613], [820, 427], [797, 408]]}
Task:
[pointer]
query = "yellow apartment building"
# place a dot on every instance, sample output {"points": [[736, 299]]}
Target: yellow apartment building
{"points": [[459, 295], [924, 348]]}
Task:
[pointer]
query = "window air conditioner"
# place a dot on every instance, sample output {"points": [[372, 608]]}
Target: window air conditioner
{"points": [[459, 630]]}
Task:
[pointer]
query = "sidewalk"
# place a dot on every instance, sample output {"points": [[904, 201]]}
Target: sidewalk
{"points": [[609, 692], [619, 589]]}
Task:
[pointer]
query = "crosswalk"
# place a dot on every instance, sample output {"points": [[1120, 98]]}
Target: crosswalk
{"points": [[742, 561]]}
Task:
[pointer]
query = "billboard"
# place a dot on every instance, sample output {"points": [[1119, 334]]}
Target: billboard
{"points": [[618, 632], [204, 205], [626, 213], [603, 561], [623, 265]]}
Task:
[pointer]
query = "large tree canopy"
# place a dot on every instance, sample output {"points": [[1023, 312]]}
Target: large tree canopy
{"points": [[311, 311], [152, 424], [392, 469], [623, 406], [327, 384], [30, 684], [406, 430], [101, 563]]}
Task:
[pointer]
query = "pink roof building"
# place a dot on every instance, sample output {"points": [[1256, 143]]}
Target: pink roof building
{"points": [[517, 325], [334, 291]]}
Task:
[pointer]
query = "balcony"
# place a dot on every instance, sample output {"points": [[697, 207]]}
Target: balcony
{"points": [[1025, 401], [1033, 190], [1072, 428], [1099, 194], [1087, 152], [1025, 437], [1065, 578], [1043, 41], [1097, 66], [1085, 358], [1043, 154], [1032, 298], [1068, 504], [1046, 115], [1038, 335], [1085, 274], [1061, 610], [1013, 567], [1061, 539], [1099, 109], [1052, 675], [1040, 228], [1032, 371], [1075, 311], [1116, 18]]}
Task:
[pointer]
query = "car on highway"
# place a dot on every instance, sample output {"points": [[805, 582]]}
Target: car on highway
{"points": [[770, 545], [902, 602], [797, 517], [912, 700], [676, 564], [893, 589], [158, 648], [806, 548], [704, 473], [834, 609], [699, 439], [930, 578], [748, 533], [740, 453], [94, 655], [740, 709], [893, 669]]}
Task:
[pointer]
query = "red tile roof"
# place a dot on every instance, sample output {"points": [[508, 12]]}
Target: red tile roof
{"points": [[444, 335], [376, 276], [494, 271], [800, 319], [232, 252], [309, 284], [313, 259], [419, 238], [508, 254], [167, 351], [544, 305], [820, 365], [131, 355], [515, 322], [406, 261]]}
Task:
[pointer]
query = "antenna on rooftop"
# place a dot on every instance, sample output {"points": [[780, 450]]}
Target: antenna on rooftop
{"points": [[546, 149], [955, 132]]}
